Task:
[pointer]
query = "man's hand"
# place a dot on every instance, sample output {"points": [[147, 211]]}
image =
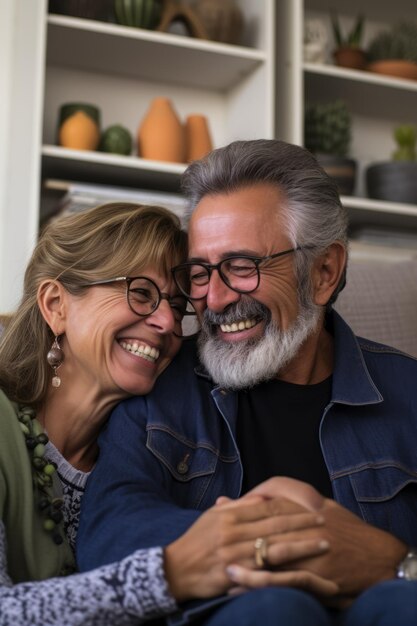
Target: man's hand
{"points": [[291, 489], [360, 555]]}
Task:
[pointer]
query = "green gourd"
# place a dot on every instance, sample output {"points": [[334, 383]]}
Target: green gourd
{"points": [[138, 13], [116, 139]]}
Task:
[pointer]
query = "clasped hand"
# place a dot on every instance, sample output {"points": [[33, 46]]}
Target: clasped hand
{"points": [[358, 555], [312, 543]]}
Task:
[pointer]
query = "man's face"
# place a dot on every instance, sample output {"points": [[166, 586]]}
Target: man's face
{"points": [[247, 222]]}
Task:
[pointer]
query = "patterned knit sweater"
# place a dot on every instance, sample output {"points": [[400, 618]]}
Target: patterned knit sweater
{"points": [[128, 592]]}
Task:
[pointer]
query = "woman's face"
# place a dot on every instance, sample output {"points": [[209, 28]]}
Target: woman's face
{"points": [[111, 347]]}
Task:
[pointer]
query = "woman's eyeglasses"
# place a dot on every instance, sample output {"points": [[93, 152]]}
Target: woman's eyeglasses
{"points": [[144, 296]]}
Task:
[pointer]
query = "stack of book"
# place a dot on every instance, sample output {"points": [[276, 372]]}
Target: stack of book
{"points": [[82, 196]]}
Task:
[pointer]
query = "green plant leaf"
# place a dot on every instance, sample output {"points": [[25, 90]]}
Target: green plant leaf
{"points": [[337, 33], [355, 36]]}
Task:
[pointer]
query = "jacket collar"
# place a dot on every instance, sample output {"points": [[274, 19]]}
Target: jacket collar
{"points": [[352, 382]]}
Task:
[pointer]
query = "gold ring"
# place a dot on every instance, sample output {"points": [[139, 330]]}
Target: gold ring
{"points": [[261, 553]]}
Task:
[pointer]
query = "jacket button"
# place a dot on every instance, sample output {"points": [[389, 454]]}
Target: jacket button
{"points": [[182, 467]]}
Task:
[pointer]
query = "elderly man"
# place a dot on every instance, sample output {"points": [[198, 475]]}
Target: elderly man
{"points": [[281, 386]]}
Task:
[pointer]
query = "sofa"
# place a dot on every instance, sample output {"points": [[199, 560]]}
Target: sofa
{"points": [[380, 302]]}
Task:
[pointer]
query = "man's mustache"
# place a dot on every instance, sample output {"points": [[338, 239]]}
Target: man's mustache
{"points": [[246, 308]]}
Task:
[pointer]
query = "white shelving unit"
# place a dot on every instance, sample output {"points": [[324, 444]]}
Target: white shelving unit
{"points": [[120, 70], [377, 103], [257, 89]]}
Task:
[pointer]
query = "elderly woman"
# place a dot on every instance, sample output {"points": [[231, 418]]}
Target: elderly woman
{"points": [[100, 319]]}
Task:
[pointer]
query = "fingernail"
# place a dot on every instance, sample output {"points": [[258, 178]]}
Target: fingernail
{"points": [[320, 519], [324, 545], [231, 571]]}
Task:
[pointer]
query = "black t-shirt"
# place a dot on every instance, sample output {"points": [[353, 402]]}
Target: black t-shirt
{"points": [[278, 433]]}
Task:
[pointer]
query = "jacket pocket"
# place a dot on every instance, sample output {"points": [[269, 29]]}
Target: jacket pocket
{"points": [[382, 482], [191, 465], [387, 497]]}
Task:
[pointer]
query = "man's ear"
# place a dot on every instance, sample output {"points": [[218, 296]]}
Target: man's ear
{"points": [[52, 302], [327, 272]]}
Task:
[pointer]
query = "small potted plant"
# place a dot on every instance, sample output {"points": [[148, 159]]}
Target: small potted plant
{"points": [[139, 13], [394, 52], [348, 51], [327, 134], [396, 180]]}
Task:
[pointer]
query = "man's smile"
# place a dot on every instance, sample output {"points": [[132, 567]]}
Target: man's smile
{"points": [[239, 325]]}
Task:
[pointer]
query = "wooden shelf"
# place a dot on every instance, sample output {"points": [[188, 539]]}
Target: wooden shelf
{"points": [[95, 46]]}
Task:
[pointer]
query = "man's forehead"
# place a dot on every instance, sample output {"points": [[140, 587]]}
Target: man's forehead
{"points": [[257, 209], [229, 231]]}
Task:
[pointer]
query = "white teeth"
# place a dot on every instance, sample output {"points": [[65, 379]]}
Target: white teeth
{"points": [[142, 350], [237, 326]]}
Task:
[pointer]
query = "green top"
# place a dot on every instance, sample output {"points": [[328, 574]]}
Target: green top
{"points": [[31, 552]]}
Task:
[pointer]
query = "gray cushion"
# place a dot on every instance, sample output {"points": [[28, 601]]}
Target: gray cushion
{"points": [[380, 302]]}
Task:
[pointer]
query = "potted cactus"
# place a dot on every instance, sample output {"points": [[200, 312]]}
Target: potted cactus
{"points": [[394, 51], [396, 180], [139, 13], [348, 51], [327, 134]]}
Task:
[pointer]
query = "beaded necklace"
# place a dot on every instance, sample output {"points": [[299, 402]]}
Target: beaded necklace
{"points": [[43, 470]]}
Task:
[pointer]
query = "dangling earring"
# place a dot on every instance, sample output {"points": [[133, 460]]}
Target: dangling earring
{"points": [[55, 358]]}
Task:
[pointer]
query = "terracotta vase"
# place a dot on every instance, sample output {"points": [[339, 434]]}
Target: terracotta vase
{"points": [[197, 137], [161, 135], [222, 19], [79, 126]]}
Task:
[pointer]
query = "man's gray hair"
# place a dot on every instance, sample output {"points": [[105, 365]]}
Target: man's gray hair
{"points": [[314, 215]]}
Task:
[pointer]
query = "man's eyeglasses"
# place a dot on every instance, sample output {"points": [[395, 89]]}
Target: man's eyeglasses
{"points": [[144, 296], [240, 273]]}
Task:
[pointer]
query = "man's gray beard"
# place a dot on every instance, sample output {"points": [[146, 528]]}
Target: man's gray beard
{"points": [[247, 363]]}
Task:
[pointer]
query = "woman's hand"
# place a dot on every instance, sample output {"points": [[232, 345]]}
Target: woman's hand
{"points": [[246, 578], [196, 563]]}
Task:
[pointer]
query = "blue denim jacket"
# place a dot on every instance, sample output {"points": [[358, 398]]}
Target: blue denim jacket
{"points": [[167, 456]]}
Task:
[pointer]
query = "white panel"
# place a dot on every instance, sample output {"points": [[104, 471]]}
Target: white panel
{"points": [[7, 9], [289, 85], [20, 223]]}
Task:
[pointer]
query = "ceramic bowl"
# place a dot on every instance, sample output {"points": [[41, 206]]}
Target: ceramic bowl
{"points": [[394, 181]]}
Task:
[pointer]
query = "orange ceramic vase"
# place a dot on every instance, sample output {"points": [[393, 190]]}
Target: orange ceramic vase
{"points": [[161, 135], [197, 137], [79, 127]]}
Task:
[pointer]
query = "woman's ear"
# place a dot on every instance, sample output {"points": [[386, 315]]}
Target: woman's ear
{"points": [[52, 303], [327, 272]]}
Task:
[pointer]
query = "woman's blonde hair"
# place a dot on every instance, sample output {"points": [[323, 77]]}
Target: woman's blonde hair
{"points": [[115, 239]]}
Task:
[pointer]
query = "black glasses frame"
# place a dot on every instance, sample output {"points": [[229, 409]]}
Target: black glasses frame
{"points": [[209, 267], [161, 295]]}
